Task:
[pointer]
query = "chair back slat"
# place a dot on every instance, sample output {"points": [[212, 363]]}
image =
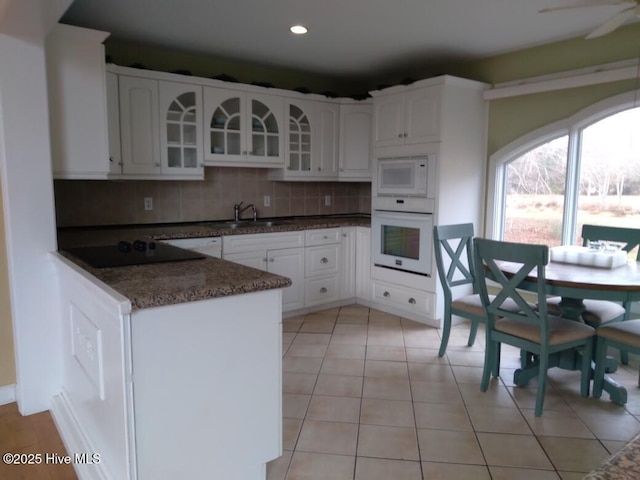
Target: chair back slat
{"points": [[528, 258], [454, 256], [629, 236]]}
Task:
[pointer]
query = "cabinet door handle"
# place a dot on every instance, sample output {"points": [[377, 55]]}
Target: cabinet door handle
{"points": [[399, 135], [323, 290], [271, 259], [324, 260], [157, 164], [412, 301], [326, 237], [344, 235], [111, 159], [265, 259], [319, 169], [405, 135], [386, 294]]}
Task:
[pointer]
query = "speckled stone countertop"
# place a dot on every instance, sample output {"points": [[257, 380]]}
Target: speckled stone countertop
{"points": [[623, 465], [85, 236], [169, 283]]}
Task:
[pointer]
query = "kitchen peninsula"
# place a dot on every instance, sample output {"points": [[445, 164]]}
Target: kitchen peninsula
{"points": [[163, 367]]}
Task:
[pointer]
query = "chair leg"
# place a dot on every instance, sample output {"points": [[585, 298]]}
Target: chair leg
{"points": [[585, 377], [446, 330], [472, 333], [598, 376], [624, 357], [543, 365], [490, 363]]}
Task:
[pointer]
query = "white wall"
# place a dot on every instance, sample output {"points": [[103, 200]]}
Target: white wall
{"points": [[27, 189]]}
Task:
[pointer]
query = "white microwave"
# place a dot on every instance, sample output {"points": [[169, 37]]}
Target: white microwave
{"points": [[406, 176]]}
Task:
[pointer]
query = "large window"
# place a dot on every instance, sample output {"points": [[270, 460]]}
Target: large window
{"points": [[583, 170]]}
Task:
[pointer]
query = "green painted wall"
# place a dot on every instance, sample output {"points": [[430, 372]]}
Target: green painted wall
{"points": [[202, 65], [511, 118]]}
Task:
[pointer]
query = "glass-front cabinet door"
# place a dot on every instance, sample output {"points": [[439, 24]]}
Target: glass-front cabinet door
{"points": [[299, 118], [242, 129], [180, 132]]}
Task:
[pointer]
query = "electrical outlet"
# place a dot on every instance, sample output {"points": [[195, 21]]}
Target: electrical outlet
{"points": [[148, 203], [327, 200], [267, 200]]}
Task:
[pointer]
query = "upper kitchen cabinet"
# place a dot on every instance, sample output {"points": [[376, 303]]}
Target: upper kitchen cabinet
{"points": [[406, 115], [78, 104], [311, 147], [242, 129], [160, 129], [355, 141], [447, 111], [181, 145], [139, 125]]}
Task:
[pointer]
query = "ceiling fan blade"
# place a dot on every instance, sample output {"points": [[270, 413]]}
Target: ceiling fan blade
{"points": [[613, 23], [587, 3]]}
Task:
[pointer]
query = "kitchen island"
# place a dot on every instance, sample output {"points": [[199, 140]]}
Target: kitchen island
{"points": [[170, 370]]}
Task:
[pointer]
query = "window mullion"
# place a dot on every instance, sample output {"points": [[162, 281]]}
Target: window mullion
{"points": [[572, 187]]}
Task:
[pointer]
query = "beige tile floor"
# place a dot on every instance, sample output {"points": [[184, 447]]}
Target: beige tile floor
{"points": [[365, 396]]}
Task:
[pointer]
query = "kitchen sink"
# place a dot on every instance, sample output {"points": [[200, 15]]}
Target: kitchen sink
{"points": [[245, 224]]}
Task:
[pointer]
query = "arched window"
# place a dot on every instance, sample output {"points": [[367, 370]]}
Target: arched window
{"points": [[585, 169]]}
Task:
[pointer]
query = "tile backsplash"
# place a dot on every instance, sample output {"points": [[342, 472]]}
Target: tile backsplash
{"points": [[99, 202]]}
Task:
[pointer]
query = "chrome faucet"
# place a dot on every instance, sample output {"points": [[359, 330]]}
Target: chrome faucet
{"points": [[237, 211]]}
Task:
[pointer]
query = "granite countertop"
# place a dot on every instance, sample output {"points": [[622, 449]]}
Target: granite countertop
{"points": [[86, 236], [623, 465], [159, 284]]}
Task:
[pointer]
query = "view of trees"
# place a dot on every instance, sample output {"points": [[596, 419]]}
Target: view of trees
{"points": [[609, 161], [608, 188]]}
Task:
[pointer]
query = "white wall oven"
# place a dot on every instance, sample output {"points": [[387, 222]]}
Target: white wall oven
{"points": [[402, 241]]}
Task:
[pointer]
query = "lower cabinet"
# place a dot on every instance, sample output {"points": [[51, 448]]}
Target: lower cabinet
{"points": [[348, 270], [323, 264], [363, 263], [416, 304], [279, 253]]}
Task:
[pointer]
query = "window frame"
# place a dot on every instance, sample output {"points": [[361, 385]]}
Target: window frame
{"points": [[573, 127]]}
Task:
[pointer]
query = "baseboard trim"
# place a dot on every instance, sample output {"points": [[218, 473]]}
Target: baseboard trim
{"points": [[7, 394], [74, 439]]}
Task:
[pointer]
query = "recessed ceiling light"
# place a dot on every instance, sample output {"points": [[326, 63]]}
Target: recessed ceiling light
{"points": [[298, 29]]}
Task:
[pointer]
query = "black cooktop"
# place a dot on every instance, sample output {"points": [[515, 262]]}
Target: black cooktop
{"points": [[125, 254]]}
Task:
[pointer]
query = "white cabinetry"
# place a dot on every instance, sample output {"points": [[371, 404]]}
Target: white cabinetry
{"points": [[159, 129], [139, 125], [355, 142], [181, 146], [404, 115], [348, 266], [312, 145], [445, 116], [242, 129], [327, 144], [279, 253], [77, 103], [363, 263], [323, 264]]}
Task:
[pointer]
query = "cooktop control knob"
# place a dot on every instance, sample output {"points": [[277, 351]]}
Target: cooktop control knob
{"points": [[140, 246], [124, 246]]}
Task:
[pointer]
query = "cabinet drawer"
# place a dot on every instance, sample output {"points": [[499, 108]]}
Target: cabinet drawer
{"points": [[401, 297], [321, 290], [323, 236], [261, 241], [321, 260]]}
